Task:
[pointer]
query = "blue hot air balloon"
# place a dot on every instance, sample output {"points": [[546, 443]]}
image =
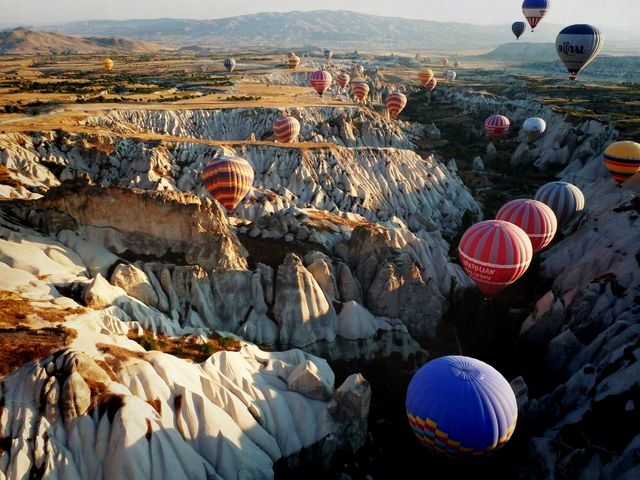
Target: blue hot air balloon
{"points": [[518, 29], [461, 407], [534, 10], [229, 64], [577, 46]]}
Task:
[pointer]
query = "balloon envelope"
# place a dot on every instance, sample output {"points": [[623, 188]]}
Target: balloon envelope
{"points": [[461, 407], [425, 76], [107, 64], [320, 81], [577, 46], [534, 10], [534, 217], [565, 199], [293, 61], [286, 129], [396, 102], [622, 159], [228, 180], [431, 84], [495, 253], [328, 54], [518, 29], [450, 75], [496, 126], [229, 64], [360, 89], [343, 79], [534, 125]]}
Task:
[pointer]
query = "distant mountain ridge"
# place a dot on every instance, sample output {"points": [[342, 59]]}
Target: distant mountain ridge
{"points": [[334, 29], [523, 52], [21, 41]]}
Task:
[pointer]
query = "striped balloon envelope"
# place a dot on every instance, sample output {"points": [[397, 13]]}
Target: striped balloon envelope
{"points": [[343, 79], [518, 29], [360, 89], [431, 84], [565, 199], [495, 253], [286, 129], [230, 64], [228, 180], [622, 159], [496, 126], [293, 61], [534, 10], [320, 81], [461, 407], [396, 102], [534, 217], [425, 76]]}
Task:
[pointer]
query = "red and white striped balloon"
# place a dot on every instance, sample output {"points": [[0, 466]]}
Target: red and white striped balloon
{"points": [[396, 102], [431, 84], [286, 129], [320, 81], [495, 253], [360, 89], [496, 126], [534, 217], [343, 79]]}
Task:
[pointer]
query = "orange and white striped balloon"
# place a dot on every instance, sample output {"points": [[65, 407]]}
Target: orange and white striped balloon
{"points": [[286, 129], [534, 217], [228, 180], [431, 84], [396, 102], [320, 81], [343, 79], [360, 89], [495, 254]]}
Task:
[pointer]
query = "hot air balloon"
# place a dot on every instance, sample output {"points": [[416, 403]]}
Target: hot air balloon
{"points": [[229, 64], [518, 29], [456, 64], [358, 71], [286, 129], [450, 75], [565, 199], [107, 64], [533, 127], [534, 217], [228, 180], [622, 159], [495, 253], [577, 46], [425, 76], [396, 102], [461, 407], [293, 61], [328, 54], [431, 84], [496, 126], [343, 79], [534, 10], [320, 81], [360, 89], [445, 62]]}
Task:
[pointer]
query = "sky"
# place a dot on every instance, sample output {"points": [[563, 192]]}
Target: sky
{"points": [[602, 13]]}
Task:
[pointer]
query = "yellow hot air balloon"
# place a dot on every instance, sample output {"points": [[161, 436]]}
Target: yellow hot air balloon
{"points": [[425, 76], [622, 159], [107, 64]]}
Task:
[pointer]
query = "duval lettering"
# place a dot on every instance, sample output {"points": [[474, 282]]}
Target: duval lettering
{"points": [[570, 50]]}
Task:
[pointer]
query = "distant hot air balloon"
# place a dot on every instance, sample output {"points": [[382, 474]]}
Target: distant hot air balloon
{"points": [[534, 217], [320, 81], [577, 46], [456, 64], [518, 29], [358, 71], [360, 89], [425, 76], [343, 79], [107, 64], [445, 62], [496, 126], [286, 129], [293, 61], [228, 180], [230, 64], [565, 199], [534, 10], [328, 54], [431, 84], [396, 102], [495, 253], [533, 127], [450, 75], [461, 407], [622, 159]]}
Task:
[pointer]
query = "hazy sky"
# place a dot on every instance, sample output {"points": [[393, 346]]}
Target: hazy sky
{"points": [[621, 13]]}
